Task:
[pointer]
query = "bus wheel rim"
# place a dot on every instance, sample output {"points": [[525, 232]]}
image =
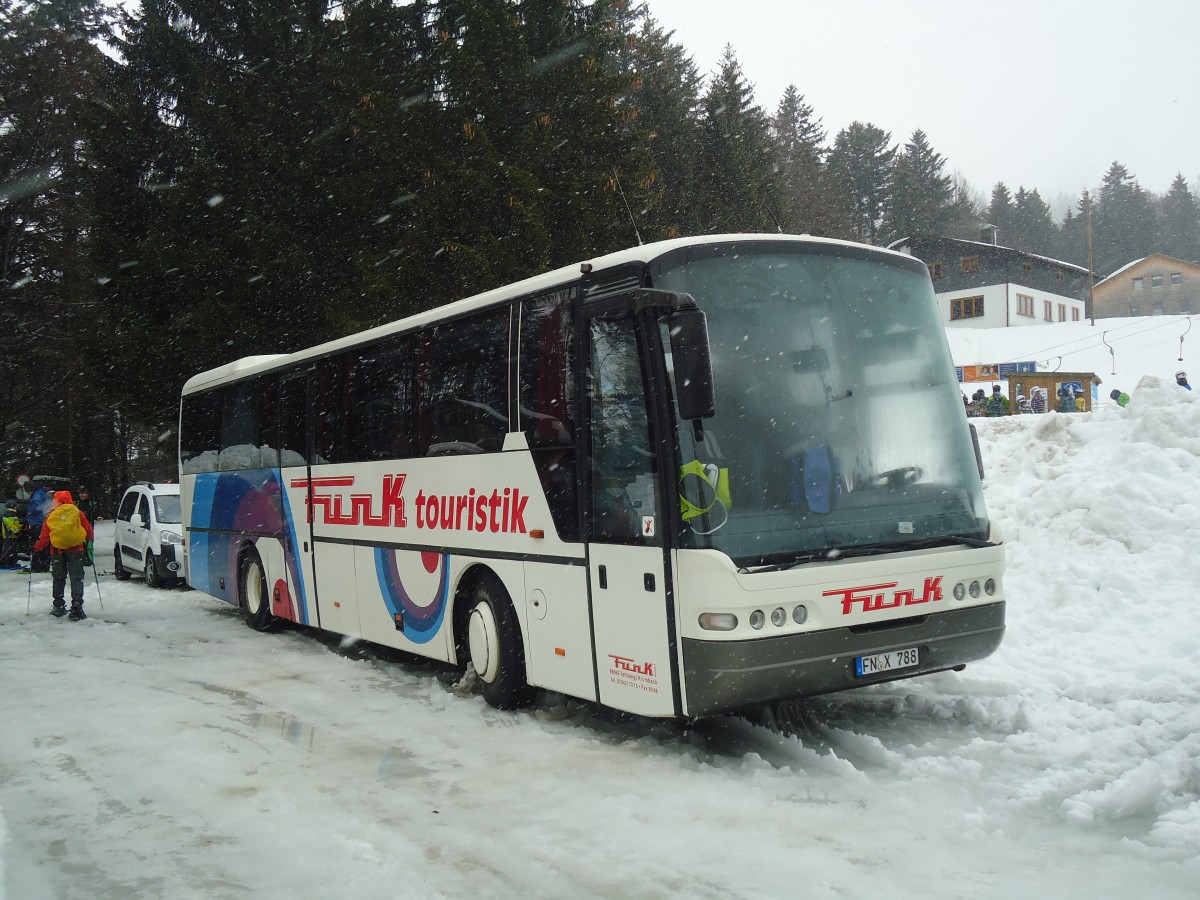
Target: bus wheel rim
{"points": [[254, 600], [483, 641]]}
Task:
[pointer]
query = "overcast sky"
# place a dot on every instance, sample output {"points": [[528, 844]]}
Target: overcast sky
{"points": [[1039, 93]]}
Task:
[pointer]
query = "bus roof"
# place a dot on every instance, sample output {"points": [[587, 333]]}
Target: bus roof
{"points": [[538, 283]]}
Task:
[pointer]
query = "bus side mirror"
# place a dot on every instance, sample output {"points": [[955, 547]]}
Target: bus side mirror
{"points": [[692, 361]]}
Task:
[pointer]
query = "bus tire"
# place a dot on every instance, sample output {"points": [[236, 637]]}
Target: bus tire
{"points": [[119, 569], [253, 595], [494, 647]]}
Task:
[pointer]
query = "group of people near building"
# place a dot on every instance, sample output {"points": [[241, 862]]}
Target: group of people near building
{"points": [[980, 404]]}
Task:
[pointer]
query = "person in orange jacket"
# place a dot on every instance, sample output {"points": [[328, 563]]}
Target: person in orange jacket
{"points": [[66, 532]]}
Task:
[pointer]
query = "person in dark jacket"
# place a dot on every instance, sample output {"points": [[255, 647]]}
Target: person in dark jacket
{"points": [[997, 404], [1181, 380], [66, 533], [87, 506]]}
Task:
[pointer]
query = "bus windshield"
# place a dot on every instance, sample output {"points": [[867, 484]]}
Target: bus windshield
{"points": [[839, 426]]}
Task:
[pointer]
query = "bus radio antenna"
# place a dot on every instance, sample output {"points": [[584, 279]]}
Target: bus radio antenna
{"points": [[632, 220]]}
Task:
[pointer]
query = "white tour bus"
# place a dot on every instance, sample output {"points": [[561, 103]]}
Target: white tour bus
{"points": [[687, 478]]}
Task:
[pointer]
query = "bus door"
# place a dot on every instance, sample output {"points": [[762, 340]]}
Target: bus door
{"points": [[295, 406], [628, 583]]}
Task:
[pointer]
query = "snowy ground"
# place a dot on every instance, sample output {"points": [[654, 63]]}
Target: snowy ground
{"points": [[163, 750]]}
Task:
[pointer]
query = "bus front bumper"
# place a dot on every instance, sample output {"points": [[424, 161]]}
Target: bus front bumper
{"points": [[723, 676]]}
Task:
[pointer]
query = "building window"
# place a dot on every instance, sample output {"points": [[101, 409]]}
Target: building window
{"points": [[1074, 315], [1024, 305], [1158, 308], [966, 308], [969, 264], [1062, 312], [1047, 310], [1135, 309], [935, 271], [1155, 281], [1139, 283], [1185, 305], [1176, 278]]}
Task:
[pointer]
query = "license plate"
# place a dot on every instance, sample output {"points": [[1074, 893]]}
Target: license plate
{"points": [[886, 662]]}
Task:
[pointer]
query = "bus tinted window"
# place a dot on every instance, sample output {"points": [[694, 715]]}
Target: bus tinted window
{"points": [[461, 386], [200, 433], [547, 402], [330, 423], [379, 402], [293, 421], [242, 442]]}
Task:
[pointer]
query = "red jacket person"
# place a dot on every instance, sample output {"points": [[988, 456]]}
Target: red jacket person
{"points": [[66, 532]]}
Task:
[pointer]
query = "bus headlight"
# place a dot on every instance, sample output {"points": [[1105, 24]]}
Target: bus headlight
{"points": [[757, 619], [960, 591], [800, 615], [989, 587], [778, 617], [975, 589], [718, 621]]}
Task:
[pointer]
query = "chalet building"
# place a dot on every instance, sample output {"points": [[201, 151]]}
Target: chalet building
{"points": [[980, 284], [1153, 286]]}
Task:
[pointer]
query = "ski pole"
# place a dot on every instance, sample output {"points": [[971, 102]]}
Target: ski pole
{"points": [[29, 599], [99, 596]]}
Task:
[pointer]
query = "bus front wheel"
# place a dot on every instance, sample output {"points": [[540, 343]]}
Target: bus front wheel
{"points": [[255, 598], [494, 648]]}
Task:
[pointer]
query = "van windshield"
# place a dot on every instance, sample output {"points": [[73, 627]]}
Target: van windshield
{"points": [[167, 510]]}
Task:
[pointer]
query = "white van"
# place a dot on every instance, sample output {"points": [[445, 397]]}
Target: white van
{"points": [[149, 534]]}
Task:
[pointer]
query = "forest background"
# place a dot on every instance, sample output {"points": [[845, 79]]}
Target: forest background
{"points": [[186, 182]]}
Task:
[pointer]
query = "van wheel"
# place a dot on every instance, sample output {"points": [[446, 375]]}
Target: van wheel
{"points": [[253, 594], [152, 578], [118, 567], [494, 647]]}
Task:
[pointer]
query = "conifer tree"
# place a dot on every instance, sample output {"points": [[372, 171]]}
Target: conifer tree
{"points": [[1179, 226], [1032, 228], [49, 64], [920, 199], [665, 98], [861, 163], [736, 178], [804, 187], [1123, 222], [1000, 213]]}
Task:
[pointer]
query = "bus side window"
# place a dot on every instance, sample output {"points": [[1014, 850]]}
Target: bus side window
{"points": [[460, 383], [241, 427], [546, 400], [380, 398], [293, 422], [200, 443]]}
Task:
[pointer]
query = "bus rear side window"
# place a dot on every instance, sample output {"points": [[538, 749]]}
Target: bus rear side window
{"points": [[200, 433]]}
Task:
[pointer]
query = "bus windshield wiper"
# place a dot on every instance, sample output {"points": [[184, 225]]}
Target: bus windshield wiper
{"points": [[832, 553]]}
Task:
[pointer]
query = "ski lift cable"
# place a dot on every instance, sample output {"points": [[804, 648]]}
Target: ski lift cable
{"points": [[1038, 354]]}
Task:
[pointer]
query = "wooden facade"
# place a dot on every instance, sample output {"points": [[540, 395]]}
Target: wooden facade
{"points": [[1156, 285]]}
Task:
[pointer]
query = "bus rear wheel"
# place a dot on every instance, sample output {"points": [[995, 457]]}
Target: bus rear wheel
{"points": [[494, 648], [253, 594]]}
